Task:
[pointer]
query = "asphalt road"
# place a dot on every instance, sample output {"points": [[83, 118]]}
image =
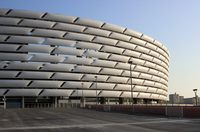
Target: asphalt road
{"points": [[81, 120]]}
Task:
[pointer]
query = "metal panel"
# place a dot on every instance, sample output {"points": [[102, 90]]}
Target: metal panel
{"points": [[96, 54], [37, 23], [104, 63], [136, 81], [79, 36], [132, 53], [8, 47], [67, 76], [112, 49], [121, 65], [46, 84], [120, 36], [87, 69], [9, 21], [75, 84], [143, 50], [3, 37], [89, 22], [151, 46], [104, 40], [78, 60], [14, 30], [119, 58], [123, 87], [140, 88], [110, 71], [127, 74], [117, 79], [2, 91], [144, 95], [23, 92], [102, 86], [88, 45], [25, 14], [58, 67], [138, 41], [3, 11], [34, 75], [137, 61], [68, 51], [91, 77], [59, 42], [36, 48], [24, 65], [56, 92], [48, 33], [13, 57], [59, 18], [126, 45], [47, 58], [26, 39], [96, 31], [133, 33], [69, 27], [110, 94], [146, 57], [8, 74], [13, 83], [147, 38], [145, 76], [113, 27], [128, 94]]}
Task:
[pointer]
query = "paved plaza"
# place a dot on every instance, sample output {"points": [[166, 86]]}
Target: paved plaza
{"points": [[82, 120]]}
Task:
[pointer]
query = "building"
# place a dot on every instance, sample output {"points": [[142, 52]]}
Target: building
{"points": [[192, 101], [176, 99], [46, 59]]}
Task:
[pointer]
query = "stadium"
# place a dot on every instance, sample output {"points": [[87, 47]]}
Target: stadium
{"points": [[50, 60]]}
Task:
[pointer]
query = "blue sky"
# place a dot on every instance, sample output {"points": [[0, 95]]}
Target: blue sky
{"points": [[176, 23]]}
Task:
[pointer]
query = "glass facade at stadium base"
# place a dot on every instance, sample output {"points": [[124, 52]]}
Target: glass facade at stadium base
{"points": [[49, 60]]}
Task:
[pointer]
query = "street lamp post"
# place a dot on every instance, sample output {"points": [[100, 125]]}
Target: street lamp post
{"points": [[82, 100], [131, 62], [196, 97], [96, 89]]}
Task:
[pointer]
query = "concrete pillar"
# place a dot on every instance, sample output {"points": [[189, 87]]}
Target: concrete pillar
{"points": [[22, 102], [102, 100], [121, 100], [82, 102], [135, 101], [56, 102]]}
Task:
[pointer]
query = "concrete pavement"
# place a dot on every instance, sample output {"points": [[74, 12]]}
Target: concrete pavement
{"points": [[79, 120]]}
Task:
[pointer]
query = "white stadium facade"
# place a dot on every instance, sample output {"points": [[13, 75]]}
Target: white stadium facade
{"points": [[48, 59]]}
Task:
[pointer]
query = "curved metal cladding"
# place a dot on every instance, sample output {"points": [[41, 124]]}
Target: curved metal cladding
{"points": [[43, 54]]}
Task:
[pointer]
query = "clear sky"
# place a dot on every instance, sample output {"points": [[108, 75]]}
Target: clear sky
{"points": [[176, 23]]}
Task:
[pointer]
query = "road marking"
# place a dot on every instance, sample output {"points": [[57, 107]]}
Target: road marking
{"points": [[90, 125]]}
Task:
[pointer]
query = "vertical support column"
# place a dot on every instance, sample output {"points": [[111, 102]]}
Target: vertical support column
{"points": [[4, 102], [56, 102], [23, 102], [121, 100]]}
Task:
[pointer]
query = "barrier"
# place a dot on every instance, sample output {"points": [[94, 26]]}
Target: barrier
{"points": [[162, 110]]}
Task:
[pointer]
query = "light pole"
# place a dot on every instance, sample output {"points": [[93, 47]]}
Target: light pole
{"points": [[96, 89], [82, 95], [131, 62], [196, 97]]}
